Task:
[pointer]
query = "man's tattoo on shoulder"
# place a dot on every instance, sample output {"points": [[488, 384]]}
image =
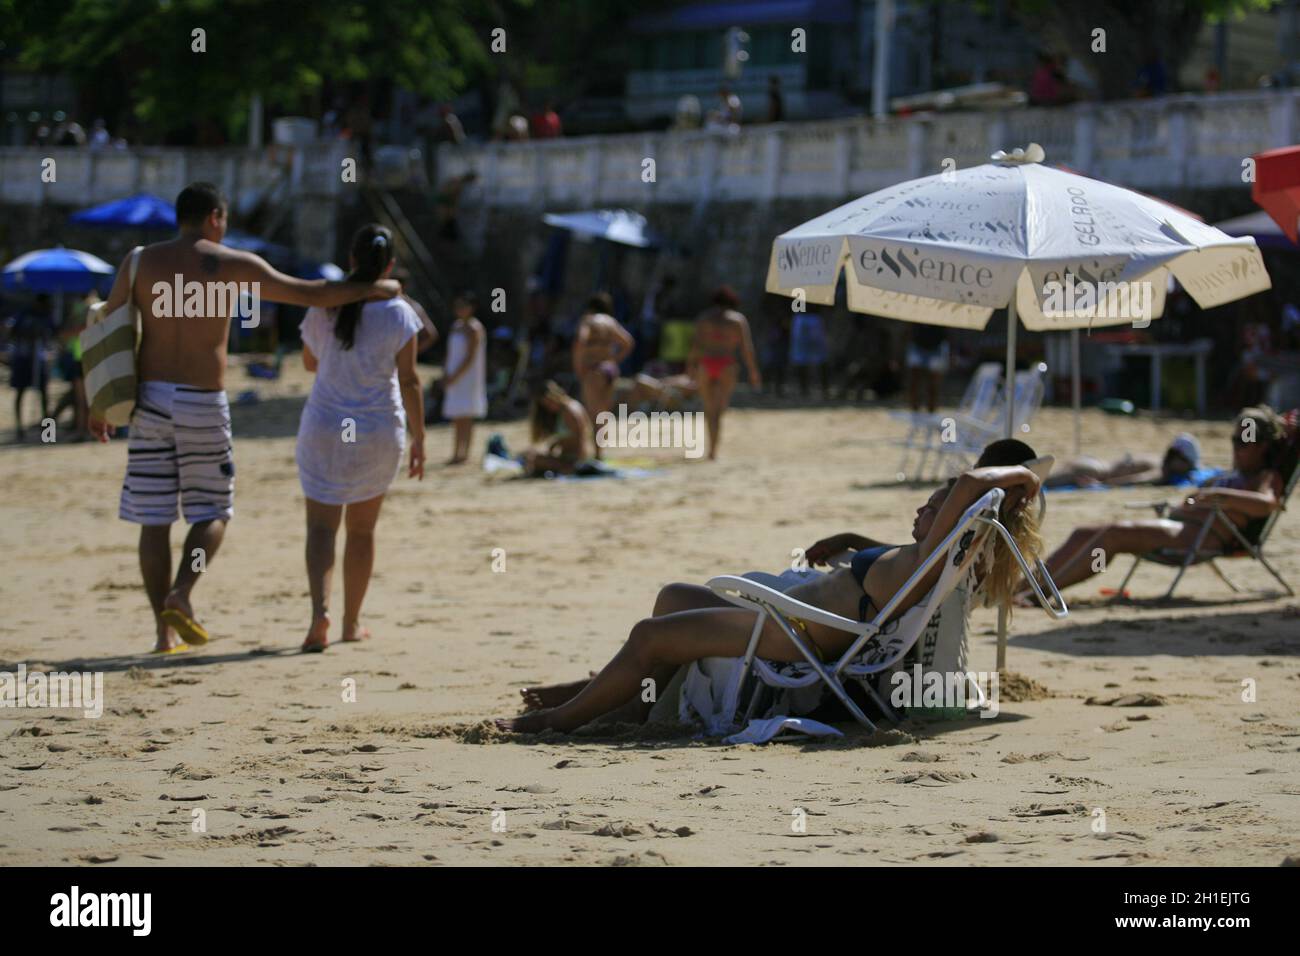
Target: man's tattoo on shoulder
{"points": [[210, 263]]}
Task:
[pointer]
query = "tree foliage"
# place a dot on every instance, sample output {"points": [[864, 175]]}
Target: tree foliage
{"points": [[1134, 31], [141, 52]]}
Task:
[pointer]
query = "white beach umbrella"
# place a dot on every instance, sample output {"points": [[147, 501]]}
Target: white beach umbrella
{"points": [[1056, 249]]}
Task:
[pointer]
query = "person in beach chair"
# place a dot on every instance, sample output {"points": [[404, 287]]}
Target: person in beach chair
{"points": [[679, 635], [1227, 516]]}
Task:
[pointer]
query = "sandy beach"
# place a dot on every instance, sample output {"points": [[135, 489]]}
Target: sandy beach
{"points": [[284, 771]]}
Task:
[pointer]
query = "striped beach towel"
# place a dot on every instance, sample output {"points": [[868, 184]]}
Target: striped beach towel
{"points": [[109, 346]]}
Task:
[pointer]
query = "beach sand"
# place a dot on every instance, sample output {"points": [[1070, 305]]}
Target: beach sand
{"points": [[284, 771]]}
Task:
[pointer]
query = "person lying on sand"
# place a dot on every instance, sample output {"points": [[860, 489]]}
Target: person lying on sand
{"points": [[658, 645], [1181, 458], [646, 392], [1250, 492]]}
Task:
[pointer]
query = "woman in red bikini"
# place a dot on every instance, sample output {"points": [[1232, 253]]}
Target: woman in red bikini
{"points": [[719, 331]]}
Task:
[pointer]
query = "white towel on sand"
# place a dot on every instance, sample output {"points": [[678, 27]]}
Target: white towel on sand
{"points": [[761, 731]]}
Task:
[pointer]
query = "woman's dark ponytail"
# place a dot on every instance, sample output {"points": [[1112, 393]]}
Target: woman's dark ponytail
{"points": [[372, 251]]}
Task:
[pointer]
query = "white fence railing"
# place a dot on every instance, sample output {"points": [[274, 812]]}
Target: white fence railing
{"points": [[1190, 141], [80, 176]]}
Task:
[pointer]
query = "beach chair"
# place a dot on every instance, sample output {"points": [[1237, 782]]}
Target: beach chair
{"points": [[883, 641], [973, 433], [925, 429], [1247, 542]]}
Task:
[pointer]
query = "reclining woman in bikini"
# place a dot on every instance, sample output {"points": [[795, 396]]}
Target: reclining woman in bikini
{"points": [[835, 551], [658, 645], [720, 331], [1250, 492]]}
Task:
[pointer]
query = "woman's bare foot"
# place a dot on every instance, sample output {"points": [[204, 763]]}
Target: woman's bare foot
{"points": [[552, 695], [354, 633], [167, 639], [455, 461], [531, 723], [317, 635]]}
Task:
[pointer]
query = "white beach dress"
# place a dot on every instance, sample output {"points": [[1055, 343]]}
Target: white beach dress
{"points": [[353, 428], [468, 397]]}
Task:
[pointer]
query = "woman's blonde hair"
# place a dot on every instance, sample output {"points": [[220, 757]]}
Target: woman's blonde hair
{"points": [[1001, 578]]}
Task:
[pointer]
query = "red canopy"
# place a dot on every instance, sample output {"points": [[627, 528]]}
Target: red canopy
{"points": [[1277, 187]]}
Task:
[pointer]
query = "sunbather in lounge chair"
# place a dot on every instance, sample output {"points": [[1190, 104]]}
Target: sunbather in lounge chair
{"points": [[834, 551], [657, 646], [1249, 493]]}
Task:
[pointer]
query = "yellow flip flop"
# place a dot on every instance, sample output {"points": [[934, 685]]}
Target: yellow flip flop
{"points": [[174, 649], [190, 630]]}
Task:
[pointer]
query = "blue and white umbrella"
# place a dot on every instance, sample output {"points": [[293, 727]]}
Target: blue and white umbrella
{"points": [[623, 226], [56, 270], [320, 270], [282, 257], [142, 211]]}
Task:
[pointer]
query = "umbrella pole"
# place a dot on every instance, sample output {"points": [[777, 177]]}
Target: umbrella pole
{"points": [[1076, 386], [1010, 389]]}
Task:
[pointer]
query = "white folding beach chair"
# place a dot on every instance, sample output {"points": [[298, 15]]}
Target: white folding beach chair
{"points": [[972, 434], [883, 641], [925, 429], [1246, 542]]}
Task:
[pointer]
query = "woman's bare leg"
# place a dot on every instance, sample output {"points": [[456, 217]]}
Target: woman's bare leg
{"points": [[597, 396], [322, 527], [654, 644], [672, 599], [358, 561], [462, 430], [1076, 560]]}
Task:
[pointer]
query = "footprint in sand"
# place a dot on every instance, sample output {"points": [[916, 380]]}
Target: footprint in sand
{"points": [[1128, 700], [933, 778]]}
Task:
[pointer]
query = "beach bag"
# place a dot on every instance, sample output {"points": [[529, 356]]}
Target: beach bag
{"points": [[109, 347]]}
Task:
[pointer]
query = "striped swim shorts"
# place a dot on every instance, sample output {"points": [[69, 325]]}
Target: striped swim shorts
{"points": [[179, 446]]}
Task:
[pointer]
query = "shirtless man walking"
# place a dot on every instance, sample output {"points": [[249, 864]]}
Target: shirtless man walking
{"points": [[599, 345], [180, 442], [720, 332]]}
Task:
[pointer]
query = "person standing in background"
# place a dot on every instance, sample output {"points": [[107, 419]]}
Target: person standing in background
{"points": [[70, 366], [808, 348], [29, 334], [464, 396], [927, 360], [721, 332], [546, 122], [599, 346], [775, 101]]}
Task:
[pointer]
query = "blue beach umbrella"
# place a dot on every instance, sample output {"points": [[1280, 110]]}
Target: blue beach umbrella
{"points": [[56, 270], [623, 226], [281, 257], [142, 211], [320, 270]]}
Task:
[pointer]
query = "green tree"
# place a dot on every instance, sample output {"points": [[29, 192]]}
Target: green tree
{"points": [[145, 51]]}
